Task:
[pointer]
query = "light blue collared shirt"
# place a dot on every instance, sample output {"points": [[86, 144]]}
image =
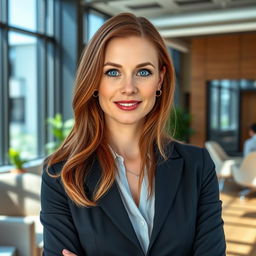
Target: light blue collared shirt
{"points": [[141, 217], [250, 145]]}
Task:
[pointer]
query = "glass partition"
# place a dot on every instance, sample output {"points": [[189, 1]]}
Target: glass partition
{"points": [[224, 103]]}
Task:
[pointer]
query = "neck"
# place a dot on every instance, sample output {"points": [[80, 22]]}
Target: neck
{"points": [[124, 140]]}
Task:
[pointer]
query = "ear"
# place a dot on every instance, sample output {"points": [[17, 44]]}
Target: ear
{"points": [[161, 77]]}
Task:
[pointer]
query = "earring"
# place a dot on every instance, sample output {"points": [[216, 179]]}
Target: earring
{"points": [[95, 94], [158, 93]]}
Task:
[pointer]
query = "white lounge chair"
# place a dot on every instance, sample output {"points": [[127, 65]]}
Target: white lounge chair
{"points": [[223, 162], [20, 226], [245, 174]]}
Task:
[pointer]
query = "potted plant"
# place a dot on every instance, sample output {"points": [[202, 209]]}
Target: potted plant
{"points": [[59, 130], [16, 161], [179, 124]]}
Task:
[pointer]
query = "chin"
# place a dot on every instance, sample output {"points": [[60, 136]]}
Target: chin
{"points": [[130, 121]]}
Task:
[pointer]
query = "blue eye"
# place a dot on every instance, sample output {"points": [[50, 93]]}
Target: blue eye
{"points": [[144, 72], [112, 72]]}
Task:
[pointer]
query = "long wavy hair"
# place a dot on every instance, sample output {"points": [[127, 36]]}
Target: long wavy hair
{"points": [[87, 138]]}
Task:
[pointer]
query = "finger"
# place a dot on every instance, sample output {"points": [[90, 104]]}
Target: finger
{"points": [[68, 253]]}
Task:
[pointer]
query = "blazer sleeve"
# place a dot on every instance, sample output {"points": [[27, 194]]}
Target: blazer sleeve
{"points": [[210, 238], [59, 231]]}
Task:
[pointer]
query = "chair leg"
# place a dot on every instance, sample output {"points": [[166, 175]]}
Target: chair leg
{"points": [[221, 184], [244, 193]]}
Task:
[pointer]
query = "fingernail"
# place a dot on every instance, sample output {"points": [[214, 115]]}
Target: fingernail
{"points": [[66, 251]]}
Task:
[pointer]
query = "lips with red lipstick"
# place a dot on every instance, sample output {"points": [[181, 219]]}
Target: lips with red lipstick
{"points": [[127, 104]]}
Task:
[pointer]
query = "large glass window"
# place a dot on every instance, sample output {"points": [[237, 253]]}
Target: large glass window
{"points": [[23, 93], [49, 17], [223, 99], [27, 75], [176, 58], [214, 108], [22, 14], [92, 22]]}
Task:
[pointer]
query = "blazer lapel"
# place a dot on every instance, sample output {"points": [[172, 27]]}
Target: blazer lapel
{"points": [[111, 203], [167, 179], [168, 175]]}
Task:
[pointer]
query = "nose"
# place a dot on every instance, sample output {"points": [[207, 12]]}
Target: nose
{"points": [[128, 86]]}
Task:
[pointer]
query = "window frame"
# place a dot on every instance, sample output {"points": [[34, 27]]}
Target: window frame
{"points": [[47, 90], [85, 21], [235, 85]]}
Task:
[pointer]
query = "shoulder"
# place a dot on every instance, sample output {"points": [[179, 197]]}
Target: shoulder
{"points": [[247, 141], [53, 169], [251, 140], [51, 174], [187, 151], [52, 189], [193, 156], [199, 168]]}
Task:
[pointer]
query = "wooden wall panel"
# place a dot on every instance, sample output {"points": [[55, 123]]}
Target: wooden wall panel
{"points": [[248, 56], [197, 91], [222, 56], [217, 57], [198, 58]]}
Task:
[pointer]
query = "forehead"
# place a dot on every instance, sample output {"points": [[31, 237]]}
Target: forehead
{"points": [[133, 48]]}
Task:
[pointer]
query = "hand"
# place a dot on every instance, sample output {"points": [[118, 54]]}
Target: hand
{"points": [[66, 252]]}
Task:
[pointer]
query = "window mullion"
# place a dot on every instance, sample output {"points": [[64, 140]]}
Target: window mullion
{"points": [[41, 83], [4, 106], [1, 99]]}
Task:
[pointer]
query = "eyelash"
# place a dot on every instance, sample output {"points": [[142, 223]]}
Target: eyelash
{"points": [[111, 70]]}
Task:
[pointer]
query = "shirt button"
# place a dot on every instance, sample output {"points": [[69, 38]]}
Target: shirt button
{"points": [[142, 223]]}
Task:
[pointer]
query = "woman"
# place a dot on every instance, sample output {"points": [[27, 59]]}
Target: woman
{"points": [[119, 185]]}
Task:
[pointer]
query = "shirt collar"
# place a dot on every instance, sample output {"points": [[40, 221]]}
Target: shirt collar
{"points": [[113, 152], [115, 155]]}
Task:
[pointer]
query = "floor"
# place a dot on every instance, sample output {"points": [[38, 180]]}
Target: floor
{"points": [[239, 221]]}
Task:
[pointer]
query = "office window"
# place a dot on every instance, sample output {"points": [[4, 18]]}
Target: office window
{"points": [[23, 93], [93, 20], [22, 14], [176, 59], [223, 98], [49, 17], [27, 76], [224, 109]]}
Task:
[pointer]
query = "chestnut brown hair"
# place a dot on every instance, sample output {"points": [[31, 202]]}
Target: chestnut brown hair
{"points": [[87, 138]]}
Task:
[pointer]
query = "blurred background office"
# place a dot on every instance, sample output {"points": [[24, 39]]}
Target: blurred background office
{"points": [[213, 47]]}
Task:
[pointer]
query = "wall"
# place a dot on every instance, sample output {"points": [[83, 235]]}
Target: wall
{"points": [[217, 57]]}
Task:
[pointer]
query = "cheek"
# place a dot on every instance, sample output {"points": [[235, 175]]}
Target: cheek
{"points": [[103, 89], [104, 94], [149, 94], [149, 90]]}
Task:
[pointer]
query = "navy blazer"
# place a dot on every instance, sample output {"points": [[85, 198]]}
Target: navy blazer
{"points": [[187, 218]]}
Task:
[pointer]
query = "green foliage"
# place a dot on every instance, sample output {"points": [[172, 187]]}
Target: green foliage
{"points": [[179, 124], [15, 159], [59, 130]]}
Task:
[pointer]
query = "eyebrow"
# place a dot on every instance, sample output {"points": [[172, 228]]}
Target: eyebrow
{"points": [[138, 66]]}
